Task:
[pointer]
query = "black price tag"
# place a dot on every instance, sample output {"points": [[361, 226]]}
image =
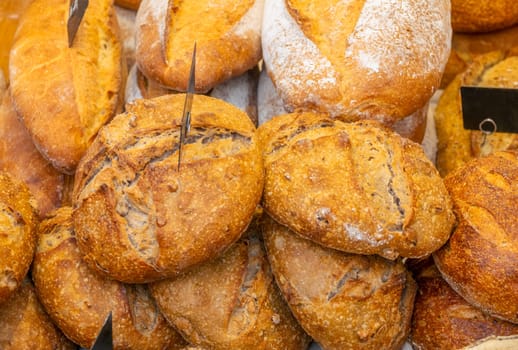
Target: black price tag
{"points": [[104, 340], [76, 13], [490, 109]]}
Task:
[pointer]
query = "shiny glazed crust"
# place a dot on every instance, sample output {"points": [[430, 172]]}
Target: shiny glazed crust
{"points": [[344, 301], [78, 300], [64, 95], [355, 187], [483, 15], [138, 218]]}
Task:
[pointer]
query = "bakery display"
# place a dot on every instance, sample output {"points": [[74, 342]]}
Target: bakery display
{"points": [[356, 187], [479, 261], [227, 34], [475, 16], [138, 216], [64, 95]]}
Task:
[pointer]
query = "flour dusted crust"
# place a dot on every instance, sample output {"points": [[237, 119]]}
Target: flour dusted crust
{"points": [[483, 15], [64, 95], [479, 261], [356, 187], [78, 300], [361, 59], [138, 218], [227, 34], [344, 301]]}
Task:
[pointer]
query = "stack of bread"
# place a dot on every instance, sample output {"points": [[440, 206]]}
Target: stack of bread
{"points": [[300, 205]]}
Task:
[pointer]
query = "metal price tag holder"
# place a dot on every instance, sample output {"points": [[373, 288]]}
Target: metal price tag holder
{"points": [[186, 115], [489, 110], [76, 13]]}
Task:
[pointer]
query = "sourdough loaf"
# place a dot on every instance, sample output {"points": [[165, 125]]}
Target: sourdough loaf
{"points": [[64, 95], [483, 15], [479, 261], [138, 216]]}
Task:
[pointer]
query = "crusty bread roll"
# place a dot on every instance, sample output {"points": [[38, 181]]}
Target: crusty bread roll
{"points": [[18, 222], [456, 145], [479, 261], [64, 95], [138, 217], [361, 59], [496, 343], [78, 300], [483, 15], [129, 4], [344, 301], [24, 325], [227, 34], [442, 319], [355, 187], [231, 302]]}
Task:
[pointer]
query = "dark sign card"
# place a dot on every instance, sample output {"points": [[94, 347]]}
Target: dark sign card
{"points": [[498, 105]]}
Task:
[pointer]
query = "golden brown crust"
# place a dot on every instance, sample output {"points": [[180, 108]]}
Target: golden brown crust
{"points": [[226, 32], [78, 300], [344, 301], [457, 146], [483, 15], [64, 95], [442, 319], [24, 325], [129, 4], [231, 302], [18, 223], [140, 219], [356, 187], [479, 261]]}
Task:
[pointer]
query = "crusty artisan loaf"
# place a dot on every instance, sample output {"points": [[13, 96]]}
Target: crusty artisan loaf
{"points": [[24, 325], [364, 59], [456, 145], [480, 259], [357, 187], [137, 216], [344, 301], [483, 15], [227, 34], [442, 319], [78, 300], [64, 95], [231, 302], [18, 221], [130, 4]]}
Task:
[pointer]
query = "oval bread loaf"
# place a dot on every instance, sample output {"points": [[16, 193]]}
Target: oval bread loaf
{"points": [[483, 15]]}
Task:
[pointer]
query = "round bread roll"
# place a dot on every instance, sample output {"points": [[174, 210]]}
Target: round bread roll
{"points": [[24, 325], [483, 15], [78, 300], [18, 222], [361, 59], [129, 4], [344, 301], [227, 34], [456, 146], [480, 259], [355, 187], [442, 319], [231, 302], [64, 95], [138, 216]]}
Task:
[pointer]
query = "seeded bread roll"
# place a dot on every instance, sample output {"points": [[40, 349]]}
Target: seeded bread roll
{"points": [[64, 95], [442, 319], [24, 325], [138, 216], [355, 187], [361, 59], [227, 34], [479, 261], [18, 221], [78, 300], [483, 15], [231, 302], [344, 301]]}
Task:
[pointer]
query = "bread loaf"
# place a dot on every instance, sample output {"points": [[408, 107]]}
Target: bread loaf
{"points": [[138, 217], [483, 15], [355, 187], [78, 300], [479, 261], [226, 32], [64, 95], [129, 4], [360, 59], [344, 301]]}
